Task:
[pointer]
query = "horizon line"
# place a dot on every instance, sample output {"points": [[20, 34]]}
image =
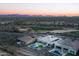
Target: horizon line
{"points": [[43, 15]]}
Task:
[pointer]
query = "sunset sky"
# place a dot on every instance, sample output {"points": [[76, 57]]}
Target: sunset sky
{"points": [[52, 9]]}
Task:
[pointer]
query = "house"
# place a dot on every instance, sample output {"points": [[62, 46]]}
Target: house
{"points": [[25, 40], [48, 39], [65, 46], [60, 45]]}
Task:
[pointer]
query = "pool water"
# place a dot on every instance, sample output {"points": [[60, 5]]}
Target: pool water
{"points": [[37, 45]]}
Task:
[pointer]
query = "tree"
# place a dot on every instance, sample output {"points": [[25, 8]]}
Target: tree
{"points": [[77, 52]]}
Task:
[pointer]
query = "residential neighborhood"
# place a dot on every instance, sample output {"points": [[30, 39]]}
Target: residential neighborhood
{"points": [[39, 29]]}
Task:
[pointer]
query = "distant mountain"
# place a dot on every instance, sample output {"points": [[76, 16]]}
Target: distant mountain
{"points": [[13, 15], [23, 15]]}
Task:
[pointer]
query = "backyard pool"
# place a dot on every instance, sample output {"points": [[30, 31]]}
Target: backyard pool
{"points": [[37, 45]]}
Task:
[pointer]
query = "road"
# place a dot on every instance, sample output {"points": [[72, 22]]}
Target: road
{"points": [[62, 31]]}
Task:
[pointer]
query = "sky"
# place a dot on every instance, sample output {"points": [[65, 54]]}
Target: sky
{"points": [[51, 9]]}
